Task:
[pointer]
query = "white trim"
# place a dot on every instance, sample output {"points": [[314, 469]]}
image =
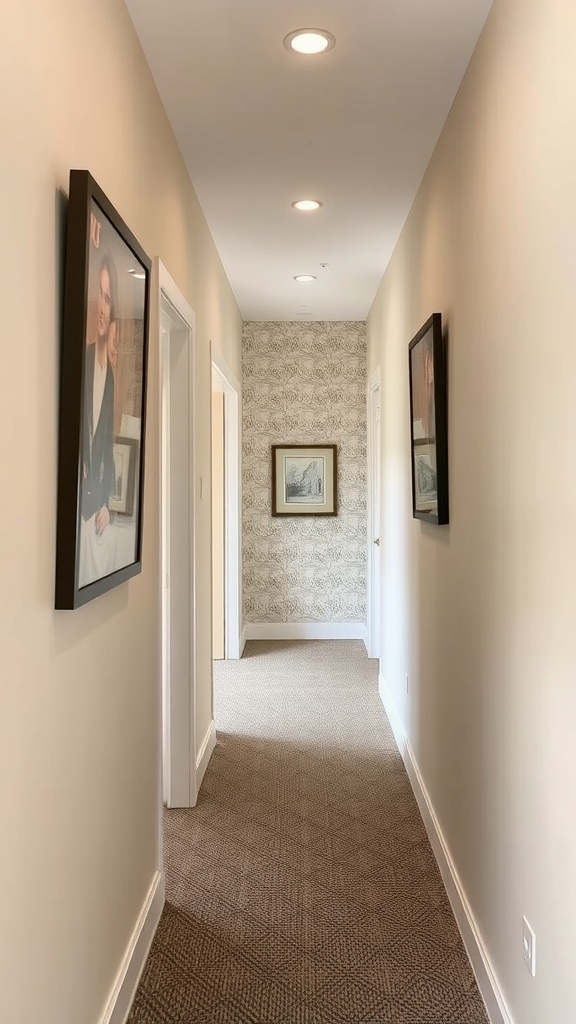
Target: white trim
{"points": [[305, 631], [223, 375], [393, 716], [224, 369], [372, 642], [490, 990], [179, 768], [205, 753], [156, 318], [124, 988]]}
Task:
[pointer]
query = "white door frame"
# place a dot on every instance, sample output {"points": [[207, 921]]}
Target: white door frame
{"points": [[177, 568], [225, 380], [373, 583]]}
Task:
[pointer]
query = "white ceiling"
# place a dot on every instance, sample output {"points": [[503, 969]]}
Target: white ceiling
{"points": [[260, 127]]}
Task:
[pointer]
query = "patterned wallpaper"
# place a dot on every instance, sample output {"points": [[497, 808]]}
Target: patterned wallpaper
{"points": [[304, 383]]}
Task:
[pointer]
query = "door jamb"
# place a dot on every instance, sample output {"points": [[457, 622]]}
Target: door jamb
{"points": [[373, 529], [233, 644], [164, 285]]}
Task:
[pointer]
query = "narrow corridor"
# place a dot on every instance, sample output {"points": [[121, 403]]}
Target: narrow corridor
{"points": [[302, 888]]}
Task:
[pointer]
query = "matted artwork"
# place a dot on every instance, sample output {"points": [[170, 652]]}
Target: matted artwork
{"points": [[304, 480], [428, 432], [102, 399], [122, 494], [425, 478]]}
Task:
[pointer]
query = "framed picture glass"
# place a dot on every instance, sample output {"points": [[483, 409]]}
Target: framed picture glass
{"points": [[102, 399], [428, 428], [304, 480], [125, 458]]}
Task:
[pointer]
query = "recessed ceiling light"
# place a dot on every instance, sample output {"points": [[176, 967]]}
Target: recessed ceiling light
{"points": [[304, 277], [307, 204], [310, 40]]}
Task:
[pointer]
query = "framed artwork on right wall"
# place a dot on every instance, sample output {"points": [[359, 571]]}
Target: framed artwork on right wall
{"points": [[428, 423]]}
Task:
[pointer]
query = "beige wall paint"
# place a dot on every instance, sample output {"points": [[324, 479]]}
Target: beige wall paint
{"points": [[79, 726], [304, 383], [481, 613]]}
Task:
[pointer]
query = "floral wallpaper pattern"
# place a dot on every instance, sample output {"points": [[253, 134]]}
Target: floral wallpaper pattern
{"points": [[304, 383]]}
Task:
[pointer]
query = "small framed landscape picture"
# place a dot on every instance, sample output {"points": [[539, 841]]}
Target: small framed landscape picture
{"points": [[304, 480], [425, 476], [122, 493]]}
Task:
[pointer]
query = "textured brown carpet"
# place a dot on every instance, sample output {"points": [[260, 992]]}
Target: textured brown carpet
{"points": [[302, 888]]}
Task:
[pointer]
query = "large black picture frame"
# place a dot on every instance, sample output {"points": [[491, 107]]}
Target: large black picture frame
{"points": [[103, 379], [428, 423]]}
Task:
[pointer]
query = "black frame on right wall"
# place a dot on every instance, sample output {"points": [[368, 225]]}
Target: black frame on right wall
{"points": [[428, 423]]}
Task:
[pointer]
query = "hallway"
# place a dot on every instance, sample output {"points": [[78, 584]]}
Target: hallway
{"points": [[302, 888]]}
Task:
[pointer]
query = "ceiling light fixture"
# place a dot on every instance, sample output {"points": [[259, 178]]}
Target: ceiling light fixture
{"points": [[305, 277], [306, 204], [310, 41]]}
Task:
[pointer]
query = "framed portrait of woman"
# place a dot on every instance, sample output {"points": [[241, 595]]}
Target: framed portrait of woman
{"points": [[102, 399]]}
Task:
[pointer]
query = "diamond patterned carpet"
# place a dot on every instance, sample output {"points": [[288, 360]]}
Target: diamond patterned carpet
{"points": [[302, 888]]}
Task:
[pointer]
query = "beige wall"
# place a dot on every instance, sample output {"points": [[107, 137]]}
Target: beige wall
{"points": [[481, 614], [304, 383], [78, 715]]}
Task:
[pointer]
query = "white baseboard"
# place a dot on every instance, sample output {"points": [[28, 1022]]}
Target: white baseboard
{"points": [[490, 990], [242, 641], [205, 753], [305, 631], [376, 657], [124, 988]]}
